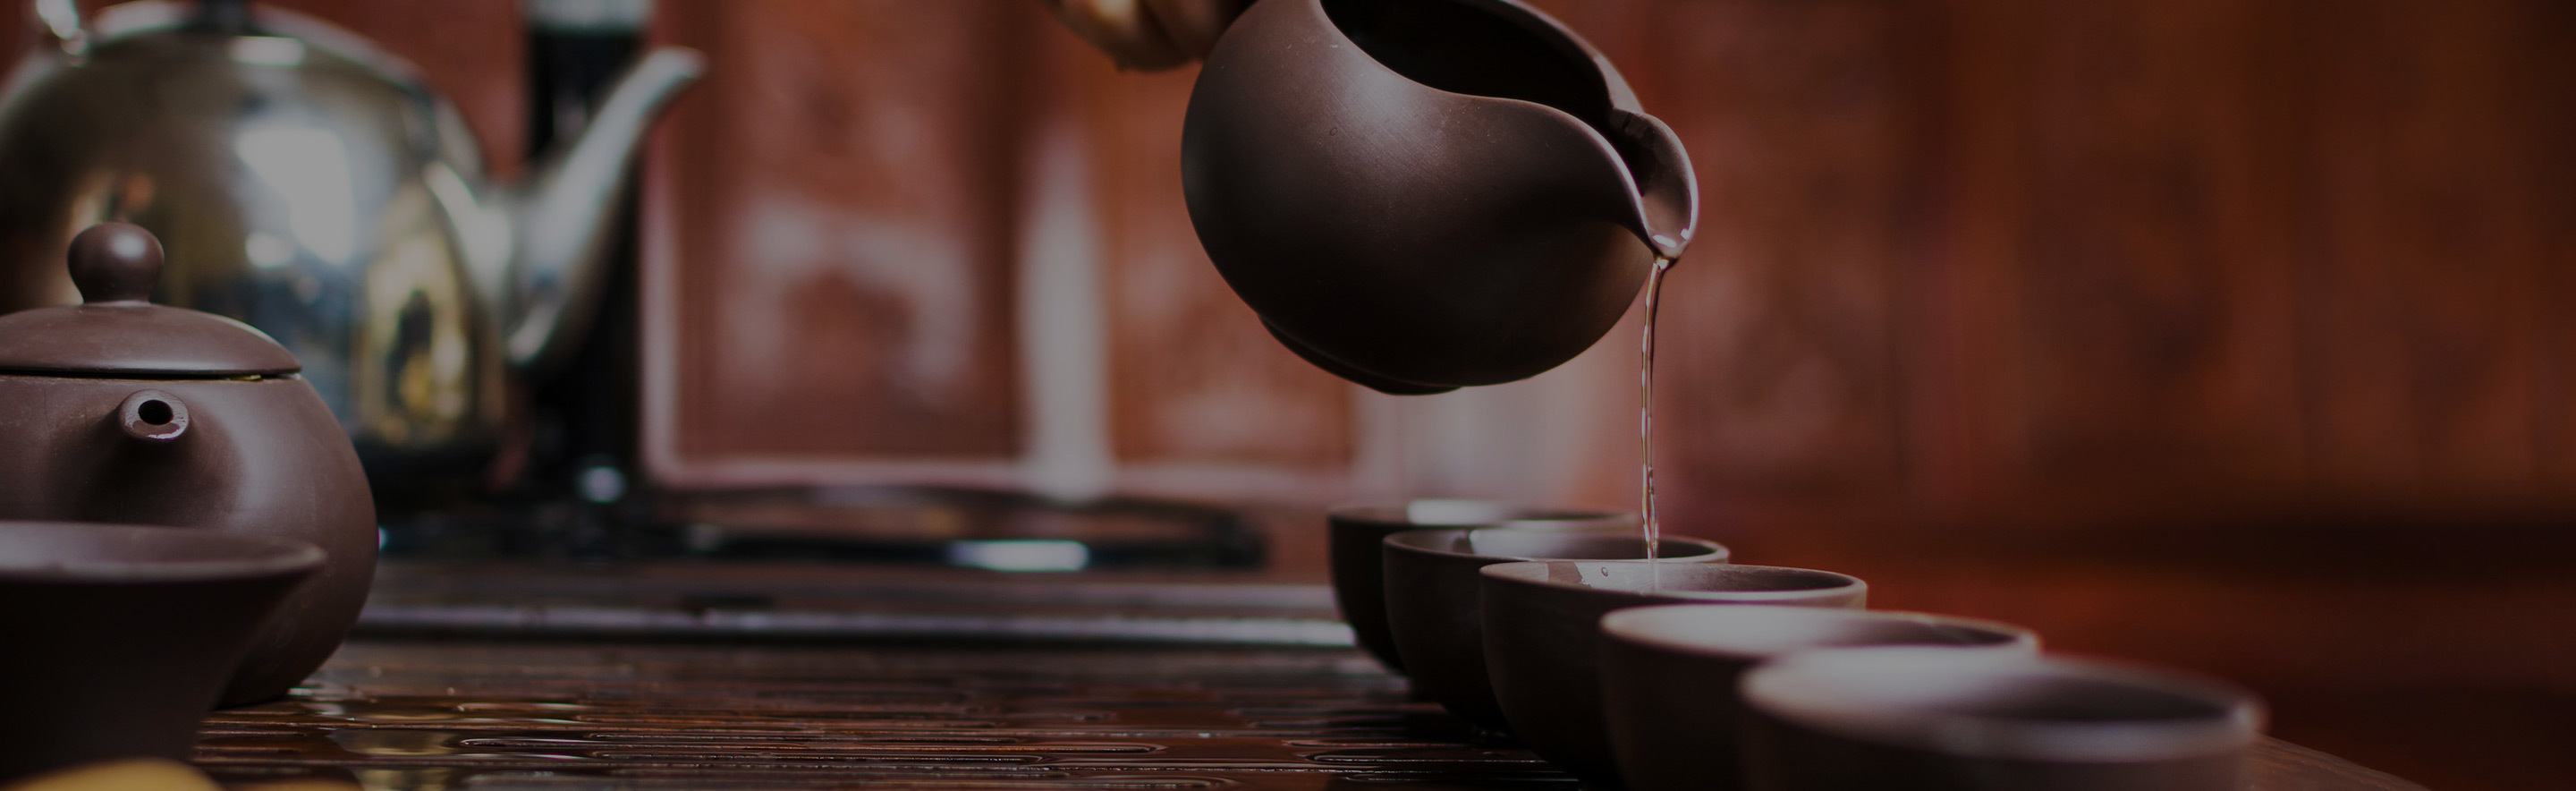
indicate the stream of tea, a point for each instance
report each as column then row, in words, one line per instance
column 1646, row 422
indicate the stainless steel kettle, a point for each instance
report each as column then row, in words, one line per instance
column 318, row 189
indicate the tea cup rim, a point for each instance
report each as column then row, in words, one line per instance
column 1653, row 626
column 1512, row 514
column 1533, row 573
column 226, row 555
column 1412, row 541
column 1830, row 691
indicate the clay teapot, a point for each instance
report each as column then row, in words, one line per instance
column 320, row 190
column 119, row 410
column 1419, row 195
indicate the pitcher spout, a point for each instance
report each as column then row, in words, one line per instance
column 564, row 215
column 1667, row 192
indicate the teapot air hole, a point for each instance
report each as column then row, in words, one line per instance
column 153, row 416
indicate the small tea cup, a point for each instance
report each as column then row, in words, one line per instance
column 121, row 637
column 1355, row 534
column 1543, row 633
column 1433, row 604
column 1669, row 674
column 1944, row 720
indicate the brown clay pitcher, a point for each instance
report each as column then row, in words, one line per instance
column 1420, row 195
column 119, row 410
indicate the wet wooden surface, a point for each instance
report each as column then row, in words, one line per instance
column 534, row 716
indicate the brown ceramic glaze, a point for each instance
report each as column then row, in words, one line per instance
column 1424, row 195
column 123, row 411
column 1668, row 675
column 1433, row 605
column 1542, row 624
column 1359, row 578
column 121, row 637
column 1941, row 720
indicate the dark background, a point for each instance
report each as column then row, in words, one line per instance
column 2223, row 334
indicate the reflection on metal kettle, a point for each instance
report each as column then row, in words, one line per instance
column 319, row 190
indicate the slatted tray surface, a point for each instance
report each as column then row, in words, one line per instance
column 499, row 716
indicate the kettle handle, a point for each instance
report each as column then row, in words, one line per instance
column 61, row 20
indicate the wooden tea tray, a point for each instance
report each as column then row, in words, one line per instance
column 501, row 715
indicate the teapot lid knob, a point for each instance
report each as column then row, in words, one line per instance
column 115, row 262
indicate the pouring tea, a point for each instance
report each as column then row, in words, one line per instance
column 1422, row 195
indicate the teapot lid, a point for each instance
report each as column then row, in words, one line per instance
column 119, row 331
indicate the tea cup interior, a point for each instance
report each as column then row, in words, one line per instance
column 1755, row 632
column 1427, row 513
column 1987, row 705
column 1516, row 543
column 1725, row 582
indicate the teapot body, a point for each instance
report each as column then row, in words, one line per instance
column 256, row 455
column 297, row 189
column 1421, row 196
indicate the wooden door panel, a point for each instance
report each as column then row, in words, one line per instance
column 2152, row 265
column 841, row 192
column 1777, row 343
column 1194, row 378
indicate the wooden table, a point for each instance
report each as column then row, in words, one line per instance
column 524, row 715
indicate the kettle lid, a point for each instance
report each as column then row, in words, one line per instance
column 117, row 330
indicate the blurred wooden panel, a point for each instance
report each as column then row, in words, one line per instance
column 2151, row 260
column 2064, row 258
column 840, row 195
column 2547, row 68
column 2428, row 189
column 1194, row 379
column 1776, row 358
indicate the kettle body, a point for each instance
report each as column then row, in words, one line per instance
column 121, row 411
column 1420, row 195
column 318, row 190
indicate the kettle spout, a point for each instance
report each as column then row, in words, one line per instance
column 1667, row 198
column 564, row 214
